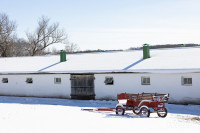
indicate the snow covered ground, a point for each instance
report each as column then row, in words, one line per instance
column 48, row 115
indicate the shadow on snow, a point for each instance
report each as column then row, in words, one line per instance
column 172, row 108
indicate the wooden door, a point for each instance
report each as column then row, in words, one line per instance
column 82, row 87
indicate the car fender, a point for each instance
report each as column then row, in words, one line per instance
column 121, row 105
column 144, row 106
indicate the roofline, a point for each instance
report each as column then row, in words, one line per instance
column 103, row 52
column 158, row 71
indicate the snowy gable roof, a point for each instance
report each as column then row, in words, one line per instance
column 26, row 64
column 179, row 59
column 162, row 60
column 97, row 62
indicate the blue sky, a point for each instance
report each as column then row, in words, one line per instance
column 112, row 24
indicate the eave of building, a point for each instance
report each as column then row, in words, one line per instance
column 142, row 71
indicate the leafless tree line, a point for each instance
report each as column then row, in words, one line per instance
column 7, row 35
column 166, row 46
column 36, row 42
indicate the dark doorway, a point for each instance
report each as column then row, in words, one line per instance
column 82, row 86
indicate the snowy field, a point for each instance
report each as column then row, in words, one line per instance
column 48, row 115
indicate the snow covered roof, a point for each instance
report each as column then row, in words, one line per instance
column 161, row 61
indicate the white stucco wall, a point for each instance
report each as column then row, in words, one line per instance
column 43, row 85
column 160, row 83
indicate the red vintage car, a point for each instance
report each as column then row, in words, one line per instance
column 140, row 104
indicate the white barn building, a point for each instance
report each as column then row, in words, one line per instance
column 103, row 75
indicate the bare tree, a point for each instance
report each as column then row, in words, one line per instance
column 7, row 34
column 20, row 48
column 44, row 36
column 71, row 48
column 55, row 51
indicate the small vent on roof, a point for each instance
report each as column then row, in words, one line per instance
column 146, row 52
column 62, row 56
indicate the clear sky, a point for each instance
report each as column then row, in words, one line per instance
column 112, row 24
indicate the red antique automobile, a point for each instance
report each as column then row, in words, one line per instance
column 141, row 103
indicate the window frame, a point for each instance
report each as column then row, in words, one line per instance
column 55, row 82
column 183, row 80
column 146, row 79
column 3, row 80
column 109, row 78
column 29, row 82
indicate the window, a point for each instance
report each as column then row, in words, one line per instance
column 57, row 80
column 109, row 81
column 145, row 80
column 29, row 80
column 187, row 81
column 4, row 80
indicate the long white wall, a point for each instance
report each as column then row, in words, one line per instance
column 43, row 85
column 160, row 83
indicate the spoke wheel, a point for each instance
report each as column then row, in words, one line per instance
column 120, row 110
column 145, row 112
column 162, row 112
column 136, row 110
